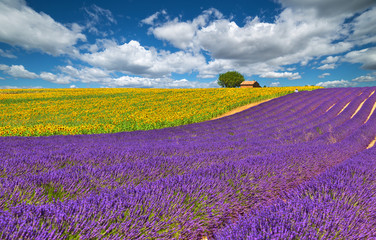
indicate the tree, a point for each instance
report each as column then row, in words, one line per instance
column 230, row 79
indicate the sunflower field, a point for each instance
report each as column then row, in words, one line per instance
column 44, row 112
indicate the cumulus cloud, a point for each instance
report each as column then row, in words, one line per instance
column 367, row 78
column 275, row 84
column 59, row 79
column 327, row 66
column 294, row 37
column 69, row 74
column 22, row 26
column 329, row 63
column 303, row 31
column 367, row 57
column 298, row 35
column 289, row 75
column 132, row 58
column 330, row 59
column 3, row 67
column 150, row 20
column 336, row 83
column 182, row 34
column 216, row 66
column 129, row 81
column 364, row 31
column 86, row 74
column 324, row 75
column 18, row 71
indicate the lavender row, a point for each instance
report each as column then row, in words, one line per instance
column 177, row 206
column 338, row 204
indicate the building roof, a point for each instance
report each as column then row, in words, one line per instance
column 248, row 82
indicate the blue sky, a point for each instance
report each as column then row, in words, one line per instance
column 186, row 44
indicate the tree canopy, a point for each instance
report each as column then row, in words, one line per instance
column 230, row 79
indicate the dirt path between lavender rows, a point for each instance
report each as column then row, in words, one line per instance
column 242, row 108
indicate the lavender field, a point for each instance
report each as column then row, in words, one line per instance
column 300, row 166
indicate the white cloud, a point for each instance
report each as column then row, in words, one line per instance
column 303, row 31
column 330, row 59
column 22, row 26
column 22, row 87
column 329, row 63
column 330, row 8
column 289, row 75
column 259, row 47
column 69, row 74
column 150, row 20
column 99, row 18
column 367, row 57
column 367, row 78
column 324, row 75
column 336, row 83
column 182, row 34
column 132, row 58
column 99, row 45
column 3, row 67
column 128, row 81
column 9, row 87
column 96, row 13
column 327, row 66
column 107, row 79
column 86, row 74
column 275, row 84
column 216, row 66
column 7, row 54
column 18, row 71
column 297, row 36
column 364, row 28
column 59, row 79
